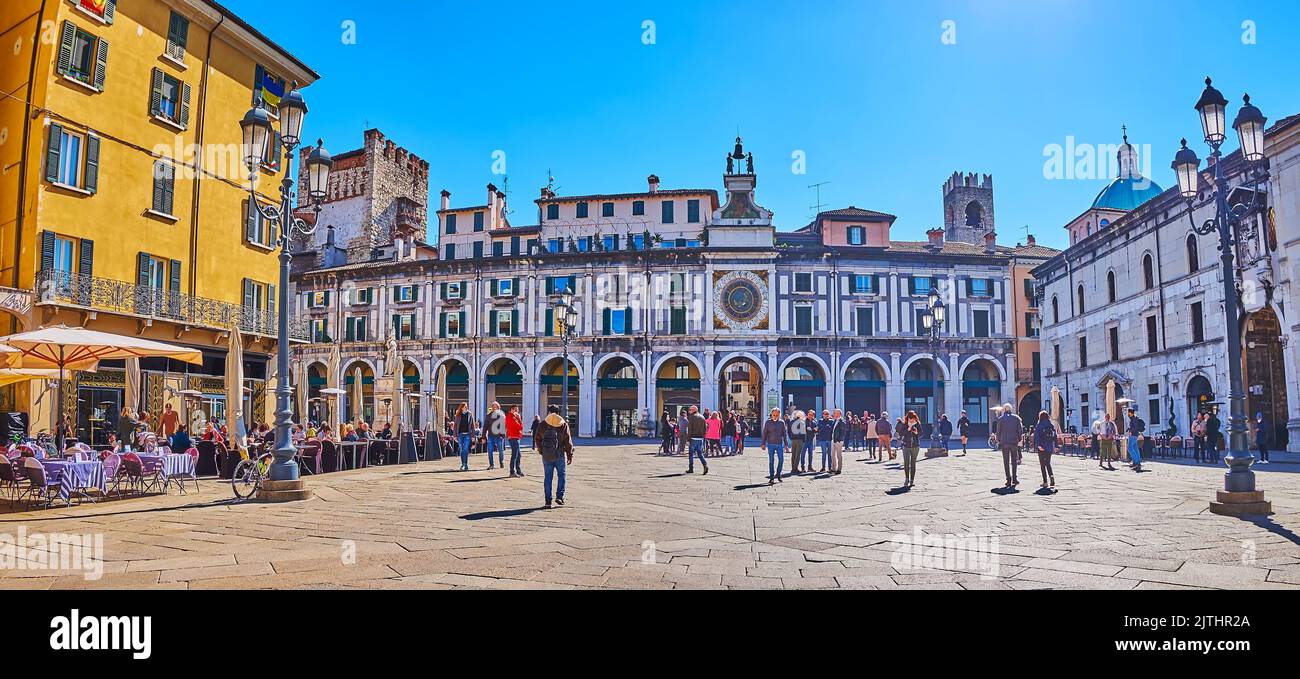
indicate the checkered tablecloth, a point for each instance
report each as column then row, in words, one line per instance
column 74, row 476
column 173, row 464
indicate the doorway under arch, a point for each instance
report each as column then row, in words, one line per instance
column 740, row 390
column 616, row 402
column 551, row 389
column 864, row 387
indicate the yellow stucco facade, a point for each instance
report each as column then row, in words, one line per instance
column 123, row 199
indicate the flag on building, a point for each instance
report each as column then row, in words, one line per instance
column 270, row 89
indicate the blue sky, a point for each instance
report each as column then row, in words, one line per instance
column 866, row 89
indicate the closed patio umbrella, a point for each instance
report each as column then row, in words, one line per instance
column 235, row 388
column 132, row 391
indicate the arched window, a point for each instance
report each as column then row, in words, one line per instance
column 1193, row 255
column 1081, row 307
column 1148, row 272
column 974, row 214
column 1110, row 286
column 1103, row 224
column 1056, row 310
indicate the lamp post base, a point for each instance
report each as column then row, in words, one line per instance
column 284, row 491
column 1250, row 503
column 936, row 451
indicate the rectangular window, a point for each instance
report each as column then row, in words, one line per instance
column 864, row 284
column 857, row 235
column 583, row 244
column 921, row 330
column 610, row 243
column 169, row 106
column 478, row 249
column 178, row 34
column 667, row 212
column 404, row 326
column 70, row 145
column 268, row 89
column 553, row 211
column 555, row 245
column 451, row 224
column 803, row 281
column 505, row 287
column 1032, row 326
column 478, row 221
column 82, row 66
column 803, row 320
column 499, row 248
column 63, row 254
column 981, row 287
column 981, row 320
column 354, row 329
column 450, row 250
column 514, row 245
column 693, row 211
column 921, row 285
column 1153, row 338
column 1056, row 358
column 618, row 321
column 1113, row 335
column 636, row 241
column 677, row 321
column 257, row 228
column 320, row 330
column 638, row 208
column 581, row 211
column 164, row 187
column 454, row 291
column 606, row 209
column 1198, row 322
column 1083, row 352
column 505, row 324
column 404, row 293
column 866, row 321
column 453, row 325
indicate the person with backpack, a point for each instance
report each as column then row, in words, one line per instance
column 1136, row 425
column 515, row 432
column 697, row 427
column 556, row 448
column 494, row 429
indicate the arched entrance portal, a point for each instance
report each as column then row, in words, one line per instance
column 1200, row 398
column 740, row 389
column 616, row 398
column 505, row 385
column 452, row 386
column 677, row 386
column 411, row 392
column 1030, row 406
column 317, row 406
column 1265, row 375
column 803, row 386
column 359, row 401
column 918, row 391
column 551, row 390
column 980, row 389
column 864, row 387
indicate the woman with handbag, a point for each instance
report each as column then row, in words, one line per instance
column 1045, row 444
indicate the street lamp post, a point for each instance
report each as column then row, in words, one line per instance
column 256, row 127
column 932, row 321
column 1239, row 496
column 569, row 321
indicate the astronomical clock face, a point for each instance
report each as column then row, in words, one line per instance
column 740, row 301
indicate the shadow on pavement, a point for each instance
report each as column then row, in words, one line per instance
column 501, row 513
column 898, row 491
column 1003, row 490
column 1273, row 527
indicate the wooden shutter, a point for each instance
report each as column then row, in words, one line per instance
column 251, row 214
column 442, row 290
column 53, row 152
column 415, row 293
column 464, row 329
column 47, row 251
column 155, row 92
column 627, row 321
column 606, row 318
column 550, row 285
column 492, row 323
column 110, row 11
column 549, row 330
column 185, row 110
column 101, row 62
column 514, row 322
column 493, row 288
column 174, row 288
column 442, row 324
column 270, row 302
column 90, row 177
column 68, row 36
column 86, row 267
column 142, row 269
column 248, row 293
column 514, row 288
column 158, row 193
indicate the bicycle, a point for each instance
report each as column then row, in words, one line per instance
column 249, row 474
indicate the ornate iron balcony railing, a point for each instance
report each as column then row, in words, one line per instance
column 104, row 294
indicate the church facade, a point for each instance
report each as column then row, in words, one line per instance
column 686, row 298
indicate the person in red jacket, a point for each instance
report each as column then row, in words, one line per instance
column 514, row 432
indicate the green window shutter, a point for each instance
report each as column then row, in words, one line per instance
column 415, row 293
column 394, row 293
column 627, row 321
column 101, row 63
column 47, row 251
column 464, row 289
column 442, row 291
column 53, row 152
column 174, row 283
column 397, row 326
column 142, row 269
column 270, row 301
column 464, row 328
column 548, row 331
column 66, row 39
column 158, row 186
column 442, row 324
column 514, row 322
column 185, row 112
column 251, row 222
column 90, row 176
column 170, row 188
column 248, row 293
column 155, row 92
column 606, row 315
column 87, row 267
column 514, row 287
column 492, row 323
column 492, row 287
column 550, row 284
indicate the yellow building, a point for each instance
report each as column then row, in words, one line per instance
column 123, row 196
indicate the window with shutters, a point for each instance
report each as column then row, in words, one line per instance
column 272, row 154
column 451, row 224
column 803, row 282
column 354, row 329
column 505, row 288
column 618, row 322
column 72, row 159
column 581, row 211
column 268, row 88
column 514, row 245
column 864, row 284
column 553, row 211
column 866, row 321
column 404, row 293
column 449, row 251
column 667, row 212
column 102, row 10
column 981, row 322
column 404, row 326
column 555, row 245
column 677, row 321
column 857, row 235
column 606, row 209
column 505, row 324
column 320, row 330
column 921, row 285
column 636, row 241
column 478, row 249
column 178, row 34
column 609, row 243
column 498, row 248
column 638, row 208
column 63, row 254
column 318, row 299
column 453, row 324
column 981, row 287
column 454, row 291
column 693, row 211
column 363, row 296
column 1033, row 327
column 171, row 100
column 803, row 320
column 83, row 61
column 478, row 221
column 258, row 230
column 164, row 188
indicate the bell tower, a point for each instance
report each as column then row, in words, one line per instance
column 968, row 207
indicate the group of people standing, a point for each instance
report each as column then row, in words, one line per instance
column 720, row 433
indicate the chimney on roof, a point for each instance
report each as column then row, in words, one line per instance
column 1029, row 240
column 547, row 193
column 936, row 239
column 990, row 242
column 653, row 180
column 492, row 206
column 446, row 199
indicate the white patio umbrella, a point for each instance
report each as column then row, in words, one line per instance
column 132, row 391
column 1110, row 400
column 235, row 388
column 333, row 393
column 1056, row 405
column 356, row 405
column 67, row 348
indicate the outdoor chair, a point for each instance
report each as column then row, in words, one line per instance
column 207, row 463
column 40, row 485
column 8, row 481
column 132, row 472
column 112, row 478
column 310, row 451
column 379, row 450
column 151, row 472
column 329, row 456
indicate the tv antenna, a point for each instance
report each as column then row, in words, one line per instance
column 817, row 208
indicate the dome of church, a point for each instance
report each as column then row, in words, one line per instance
column 1130, row 189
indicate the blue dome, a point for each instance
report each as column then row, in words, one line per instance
column 1127, row 193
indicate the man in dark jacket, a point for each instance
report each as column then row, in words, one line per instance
column 1009, row 429
column 555, row 444
column 1136, row 425
column 824, row 427
column 839, row 433
column 697, row 426
column 1263, row 436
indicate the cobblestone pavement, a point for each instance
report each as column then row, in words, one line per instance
column 635, row 520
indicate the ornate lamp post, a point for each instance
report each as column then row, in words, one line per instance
column 569, row 321
column 932, row 321
column 256, row 126
column 1239, row 496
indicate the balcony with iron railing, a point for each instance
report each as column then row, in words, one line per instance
column 59, row 288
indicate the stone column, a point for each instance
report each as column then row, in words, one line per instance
column 709, row 397
column 1009, row 384
column 894, row 386
column 835, row 383
column 587, row 417
column 952, row 387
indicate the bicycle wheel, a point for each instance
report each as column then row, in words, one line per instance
column 246, row 479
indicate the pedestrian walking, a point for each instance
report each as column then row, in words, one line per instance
column 839, row 434
column 697, row 427
column 494, row 430
column 1214, row 436
column 776, row 436
column 824, row 427
column 683, row 430
column 713, row 434
column 945, row 430
column 1263, row 436
column 1045, row 444
column 911, row 439
column 728, row 434
column 464, row 434
column 1136, row 425
column 532, row 430
column 884, row 432
column 1107, row 433
column 963, row 430
column 556, row 448
column 797, row 429
column 1009, row 428
column 515, row 432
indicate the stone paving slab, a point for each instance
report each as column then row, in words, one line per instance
column 635, row 521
